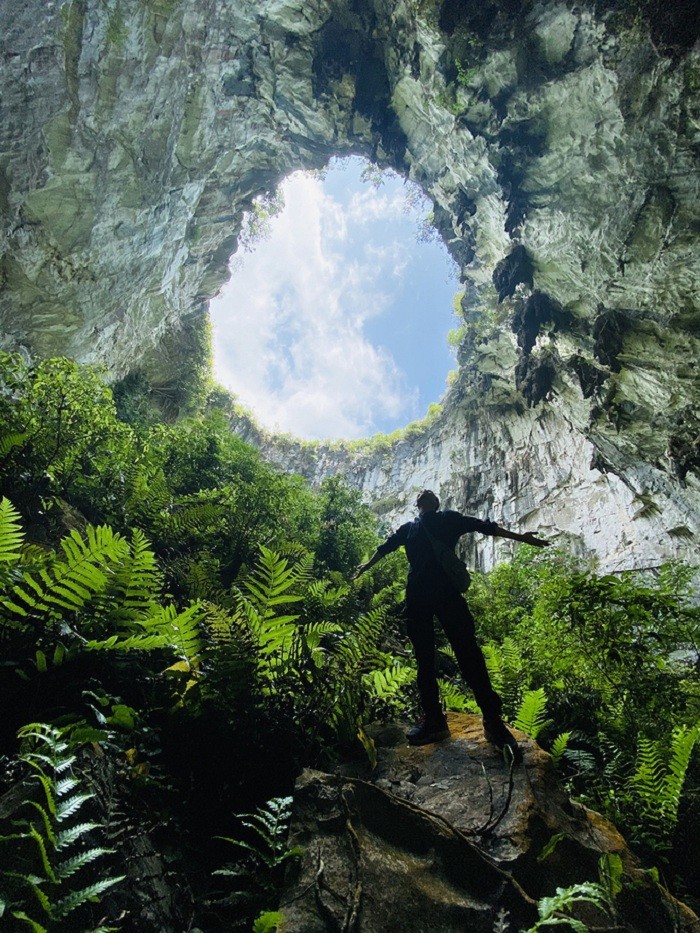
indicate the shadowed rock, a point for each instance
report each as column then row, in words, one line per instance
column 447, row 838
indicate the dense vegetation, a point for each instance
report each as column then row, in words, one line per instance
column 180, row 637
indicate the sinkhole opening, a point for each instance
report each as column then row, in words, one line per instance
column 334, row 323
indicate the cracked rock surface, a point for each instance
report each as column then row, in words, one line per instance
column 445, row 838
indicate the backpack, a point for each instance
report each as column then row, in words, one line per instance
column 454, row 568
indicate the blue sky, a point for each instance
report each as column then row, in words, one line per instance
column 335, row 325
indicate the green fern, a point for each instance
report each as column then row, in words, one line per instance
column 531, row 714
column 507, row 670
column 272, row 582
column 8, row 442
column 11, row 535
column 359, row 646
column 659, row 778
column 559, row 747
column 389, row 681
column 312, row 640
column 269, row 824
column 189, row 517
column 271, row 585
column 147, row 493
column 68, row 585
column 455, row 699
column 136, row 583
column 556, row 910
column 265, row 851
column 342, row 694
column 611, row 871
column 271, row 921
column 41, row 888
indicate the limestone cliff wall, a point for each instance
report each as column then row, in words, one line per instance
column 559, row 148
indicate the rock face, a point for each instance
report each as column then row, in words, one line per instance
column 443, row 838
column 559, row 149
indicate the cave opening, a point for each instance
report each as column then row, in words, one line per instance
column 338, row 320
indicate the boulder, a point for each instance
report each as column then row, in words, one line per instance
column 448, row 837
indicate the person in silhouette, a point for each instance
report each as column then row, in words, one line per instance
column 430, row 593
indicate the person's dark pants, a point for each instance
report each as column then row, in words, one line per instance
column 422, row 605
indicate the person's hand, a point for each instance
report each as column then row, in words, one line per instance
column 530, row 538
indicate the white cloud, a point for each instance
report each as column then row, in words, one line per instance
column 288, row 327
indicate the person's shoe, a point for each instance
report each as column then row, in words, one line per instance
column 496, row 732
column 427, row 731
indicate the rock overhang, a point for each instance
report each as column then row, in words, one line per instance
column 559, row 154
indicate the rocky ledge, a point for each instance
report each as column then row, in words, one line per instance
column 448, row 838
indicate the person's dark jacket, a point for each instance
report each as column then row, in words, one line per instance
column 447, row 526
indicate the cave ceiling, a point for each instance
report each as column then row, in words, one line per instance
column 557, row 141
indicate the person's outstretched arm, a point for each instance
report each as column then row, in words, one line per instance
column 375, row 558
column 528, row 537
column 392, row 543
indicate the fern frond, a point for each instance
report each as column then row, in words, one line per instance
column 11, row 534
column 272, row 581
column 148, row 494
column 312, row 636
column 68, row 836
column 71, row 583
column 32, row 924
column 531, row 715
column 682, row 743
column 180, row 630
column 455, row 699
column 45, row 781
column 390, row 681
column 581, row 759
column 269, row 823
column 8, row 442
column 194, row 516
column 359, row 646
column 70, row 866
column 70, row 806
column 559, row 747
column 46, row 749
column 565, row 899
column 43, row 853
column 137, row 582
column 137, row 642
column 660, row 776
column 65, row 785
column 46, row 820
column 76, row 899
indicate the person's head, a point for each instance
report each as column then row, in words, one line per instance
column 427, row 501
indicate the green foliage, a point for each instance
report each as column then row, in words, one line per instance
column 73, row 444
column 96, row 593
column 50, row 846
column 454, row 698
column 11, row 538
column 347, row 527
column 559, row 747
column 387, row 685
column 257, row 221
column 658, row 781
column 162, row 581
column 531, row 715
column 508, row 670
column 610, row 869
column 269, row 922
column 269, row 825
column 614, row 656
column 557, row 910
column 265, row 853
